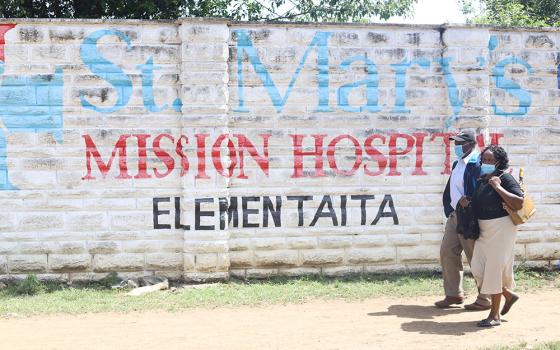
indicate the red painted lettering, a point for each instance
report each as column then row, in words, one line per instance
column 419, row 136
column 201, row 155
column 375, row 154
column 142, row 165
column 447, row 143
column 297, row 141
column 245, row 144
column 357, row 152
column 181, row 153
column 163, row 155
column 91, row 150
column 394, row 151
column 217, row 159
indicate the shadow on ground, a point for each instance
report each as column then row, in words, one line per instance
column 429, row 312
column 423, row 312
column 441, row 328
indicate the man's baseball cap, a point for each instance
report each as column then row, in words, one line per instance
column 464, row 135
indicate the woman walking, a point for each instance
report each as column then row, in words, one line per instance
column 492, row 261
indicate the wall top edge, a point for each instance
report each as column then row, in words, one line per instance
column 211, row 20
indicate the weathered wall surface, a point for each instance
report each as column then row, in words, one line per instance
column 205, row 149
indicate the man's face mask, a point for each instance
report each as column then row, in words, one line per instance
column 459, row 151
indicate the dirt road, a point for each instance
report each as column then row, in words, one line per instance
column 370, row 324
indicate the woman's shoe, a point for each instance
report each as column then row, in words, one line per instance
column 508, row 304
column 487, row 322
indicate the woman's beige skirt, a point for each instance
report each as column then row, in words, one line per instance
column 492, row 260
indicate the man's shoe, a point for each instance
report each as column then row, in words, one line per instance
column 448, row 301
column 477, row 307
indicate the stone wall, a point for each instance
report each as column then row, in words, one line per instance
column 204, row 149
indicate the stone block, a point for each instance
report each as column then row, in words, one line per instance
column 418, row 254
column 371, row 255
column 276, row 258
column 322, row 256
column 69, row 263
column 543, row 251
column 164, row 261
column 27, row 263
column 118, row 262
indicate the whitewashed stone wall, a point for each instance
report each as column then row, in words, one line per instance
column 124, row 143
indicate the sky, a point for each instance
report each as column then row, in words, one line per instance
column 433, row 12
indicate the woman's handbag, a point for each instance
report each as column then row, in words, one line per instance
column 522, row 215
column 467, row 223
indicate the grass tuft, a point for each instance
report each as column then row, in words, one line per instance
column 524, row 346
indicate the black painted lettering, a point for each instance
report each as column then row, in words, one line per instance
column 343, row 210
column 178, row 224
column 269, row 208
column 247, row 211
column 362, row 198
column 320, row 214
column 198, row 213
column 381, row 213
column 157, row 213
column 300, row 200
column 231, row 210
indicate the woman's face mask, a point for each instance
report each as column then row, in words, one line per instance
column 487, row 168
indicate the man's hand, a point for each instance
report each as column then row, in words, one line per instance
column 495, row 181
column 464, row 201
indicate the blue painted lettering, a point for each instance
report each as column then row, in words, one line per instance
column 244, row 44
column 106, row 70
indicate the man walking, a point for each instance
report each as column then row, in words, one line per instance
column 458, row 191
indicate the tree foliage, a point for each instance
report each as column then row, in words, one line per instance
column 526, row 13
column 252, row 10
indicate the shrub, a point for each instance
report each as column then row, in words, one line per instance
column 29, row 286
column 110, row 280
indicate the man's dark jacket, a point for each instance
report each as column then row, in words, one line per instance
column 472, row 173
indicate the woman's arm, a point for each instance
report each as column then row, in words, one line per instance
column 512, row 200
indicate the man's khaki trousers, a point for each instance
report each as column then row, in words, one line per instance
column 452, row 245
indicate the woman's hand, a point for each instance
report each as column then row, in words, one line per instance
column 495, row 182
column 464, row 201
column 511, row 200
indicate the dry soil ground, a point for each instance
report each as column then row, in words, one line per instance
column 379, row 323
